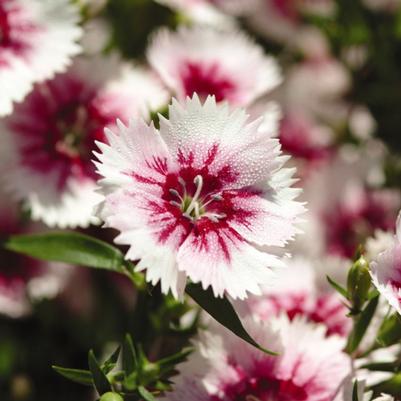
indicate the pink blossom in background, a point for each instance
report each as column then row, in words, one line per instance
column 282, row 20
column 48, row 140
column 352, row 208
column 301, row 289
column 315, row 88
column 386, row 271
column 38, row 39
column 206, row 61
column 350, row 222
column 309, row 144
column 207, row 197
column 309, row 367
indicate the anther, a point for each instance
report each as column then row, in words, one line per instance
column 174, row 192
column 174, row 203
column 181, row 181
column 217, row 197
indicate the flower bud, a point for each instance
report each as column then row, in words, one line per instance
column 358, row 283
column 111, row 397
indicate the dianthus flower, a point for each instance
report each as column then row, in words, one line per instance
column 206, row 61
column 48, row 140
column 310, row 366
column 37, row 39
column 301, row 289
column 204, row 198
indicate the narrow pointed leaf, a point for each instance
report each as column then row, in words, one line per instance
column 99, row 378
column 68, row 247
column 129, row 357
column 361, row 325
column 75, row 375
column 222, row 311
column 380, row 366
column 147, row 396
column 110, row 363
column 341, row 290
column 168, row 363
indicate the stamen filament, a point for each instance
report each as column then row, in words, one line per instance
column 213, row 198
column 193, row 207
column 198, row 181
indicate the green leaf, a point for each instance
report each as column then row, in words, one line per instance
column 361, row 324
column 68, row 247
column 99, row 378
column 222, row 310
column 110, row 363
column 389, row 331
column 129, row 360
column 75, row 375
column 380, row 366
column 338, row 287
column 167, row 364
column 147, row 396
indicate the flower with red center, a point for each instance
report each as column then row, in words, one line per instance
column 386, row 270
column 346, row 206
column 301, row 290
column 37, row 39
column 309, row 367
column 354, row 220
column 205, row 197
column 49, row 138
column 206, row 61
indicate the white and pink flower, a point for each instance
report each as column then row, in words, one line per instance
column 301, row 289
column 206, row 61
column 310, row 366
column 204, row 198
column 37, row 39
column 47, row 142
column 386, row 271
column 346, row 206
